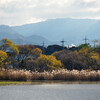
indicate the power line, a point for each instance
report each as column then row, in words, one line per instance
column 63, row 43
column 85, row 39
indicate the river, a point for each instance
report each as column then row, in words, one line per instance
column 50, row 92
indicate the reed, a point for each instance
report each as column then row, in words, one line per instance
column 62, row 74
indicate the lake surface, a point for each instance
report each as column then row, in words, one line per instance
column 50, row 92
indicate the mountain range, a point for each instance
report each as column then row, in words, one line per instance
column 73, row 31
column 10, row 33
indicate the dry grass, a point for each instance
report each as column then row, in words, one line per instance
column 63, row 74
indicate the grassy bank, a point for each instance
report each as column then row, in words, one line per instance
column 11, row 82
column 63, row 74
column 46, row 82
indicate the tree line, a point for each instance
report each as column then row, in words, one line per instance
column 31, row 58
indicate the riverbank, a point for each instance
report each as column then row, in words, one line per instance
column 44, row 82
column 11, row 83
column 63, row 74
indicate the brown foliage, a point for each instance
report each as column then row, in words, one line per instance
column 69, row 59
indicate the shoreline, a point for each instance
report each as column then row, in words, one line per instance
column 44, row 82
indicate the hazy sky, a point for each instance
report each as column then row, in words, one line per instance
column 17, row 12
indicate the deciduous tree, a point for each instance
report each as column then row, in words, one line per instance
column 3, row 57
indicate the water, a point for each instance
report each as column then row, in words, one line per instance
column 51, row 92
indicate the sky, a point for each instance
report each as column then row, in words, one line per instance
column 19, row 12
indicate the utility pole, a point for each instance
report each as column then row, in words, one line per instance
column 94, row 42
column 43, row 47
column 68, row 46
column 85, row 39
column 63, row 43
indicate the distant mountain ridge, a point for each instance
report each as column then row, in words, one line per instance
column 8, row 32
column 71, row 30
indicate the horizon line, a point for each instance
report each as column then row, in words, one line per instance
column 50, row 19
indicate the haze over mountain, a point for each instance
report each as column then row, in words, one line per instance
column 71, row 30
column 8, row 32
